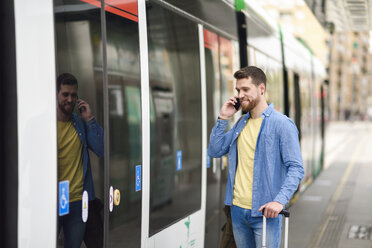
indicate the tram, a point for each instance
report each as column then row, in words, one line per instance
column 155, row 74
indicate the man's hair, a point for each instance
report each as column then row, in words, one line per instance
column 66, row 78
column 256, row 74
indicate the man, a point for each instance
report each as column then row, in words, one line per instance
column 265, row 164
column 74, row 139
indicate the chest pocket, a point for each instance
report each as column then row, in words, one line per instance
column 267, row 141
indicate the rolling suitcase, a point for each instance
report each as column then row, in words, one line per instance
column 286, row 215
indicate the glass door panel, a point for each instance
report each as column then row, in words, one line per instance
column 176, row 135
column 221, row 59
column 79, row 53
column 80, row 50
column 124, row 86
column 213, row 209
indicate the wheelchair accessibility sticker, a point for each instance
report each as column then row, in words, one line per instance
column 63, row 199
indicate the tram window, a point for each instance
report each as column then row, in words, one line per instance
column 78, row 52
column 228, row 53
column 176, row 136
column 274, row 73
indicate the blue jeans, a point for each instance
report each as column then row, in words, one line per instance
column 248, row 230
column 73, row 226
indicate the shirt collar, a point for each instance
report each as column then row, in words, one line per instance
column 74, row 117
column 266, row 113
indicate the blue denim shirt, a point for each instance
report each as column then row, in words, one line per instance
column 92, row 137
column 278, row 165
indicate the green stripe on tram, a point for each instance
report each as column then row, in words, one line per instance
column 239, row 5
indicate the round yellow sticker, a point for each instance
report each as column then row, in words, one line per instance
column 116, row 197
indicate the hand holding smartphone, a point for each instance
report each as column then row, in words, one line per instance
column 227, row 111
column 82, row 108
column 85, row 110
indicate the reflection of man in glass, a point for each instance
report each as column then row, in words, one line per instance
column 75, row 136
column 265, row 164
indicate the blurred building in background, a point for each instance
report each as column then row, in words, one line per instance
column 350, row 76
column 337, row 31
column 318, row 7
column 296, row 18
column 350, row 70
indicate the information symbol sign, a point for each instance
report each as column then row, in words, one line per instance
column 138, row 178
column 179, row 160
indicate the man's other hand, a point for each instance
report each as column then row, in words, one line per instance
column 272, row 209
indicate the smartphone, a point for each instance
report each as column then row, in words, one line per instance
column 82, row 108
column 237, row 104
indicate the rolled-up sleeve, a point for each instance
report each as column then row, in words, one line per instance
column 219, row 142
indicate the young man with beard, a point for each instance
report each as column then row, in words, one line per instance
column 74, row 139
column 265, row 164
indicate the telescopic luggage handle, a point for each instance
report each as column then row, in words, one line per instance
column 286, row 214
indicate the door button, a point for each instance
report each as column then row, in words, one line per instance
column 116, row 197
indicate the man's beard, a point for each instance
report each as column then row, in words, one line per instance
column 251, row 105
column 65, row 111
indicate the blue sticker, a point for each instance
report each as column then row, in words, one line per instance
column 138, row 178
column 63, row 198
column 179, row 160
column 208, row 162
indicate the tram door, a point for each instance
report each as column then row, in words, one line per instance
column 213, row 218
column 125, row 146
column 221, row 61
column 176, row 216
column 113, row 64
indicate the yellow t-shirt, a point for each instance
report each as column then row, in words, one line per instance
column 244, row 174
column 70, row 159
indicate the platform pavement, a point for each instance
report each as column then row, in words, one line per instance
column 336, row 209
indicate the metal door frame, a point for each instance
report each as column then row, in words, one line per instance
column 170, row 236
column 145, row 106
